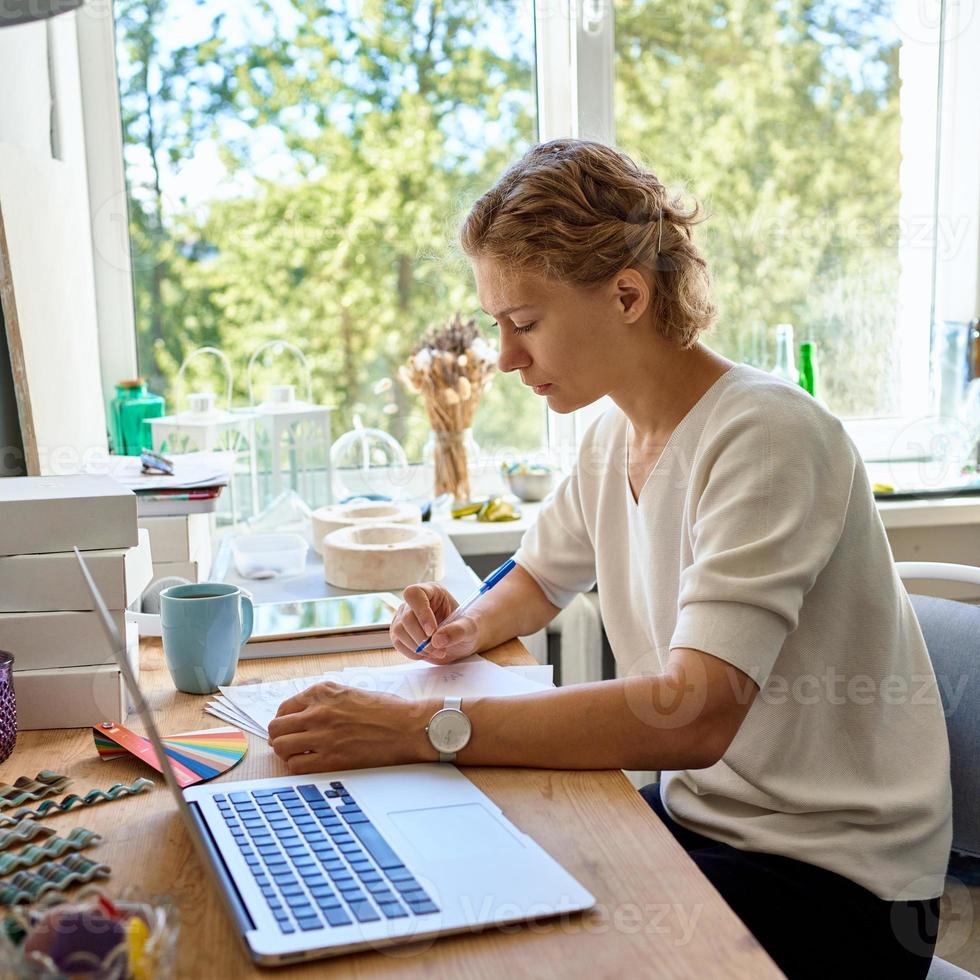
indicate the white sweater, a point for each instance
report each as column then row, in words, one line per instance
column 756, row 539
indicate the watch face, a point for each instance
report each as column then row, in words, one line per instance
column 449, row 730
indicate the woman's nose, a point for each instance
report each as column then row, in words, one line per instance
column 512, row 355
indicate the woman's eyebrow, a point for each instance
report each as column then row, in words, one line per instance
column 509, row 310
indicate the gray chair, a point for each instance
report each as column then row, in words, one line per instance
column 952, row 633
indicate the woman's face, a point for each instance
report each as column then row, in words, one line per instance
column 560, row 337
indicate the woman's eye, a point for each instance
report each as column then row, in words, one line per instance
column 523, row 329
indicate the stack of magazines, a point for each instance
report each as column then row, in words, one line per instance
column 193, row 488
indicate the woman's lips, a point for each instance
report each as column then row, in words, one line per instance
column 541, row 389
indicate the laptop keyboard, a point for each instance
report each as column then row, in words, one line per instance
column 318, row 860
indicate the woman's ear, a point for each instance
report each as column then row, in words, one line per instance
column 632, row 294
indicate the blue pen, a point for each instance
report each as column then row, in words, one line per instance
column 491, row 580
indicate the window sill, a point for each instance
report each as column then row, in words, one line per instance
column 415, row 481
column 473, row 539
column 904, row 439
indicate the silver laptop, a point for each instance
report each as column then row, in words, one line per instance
column 314, row 866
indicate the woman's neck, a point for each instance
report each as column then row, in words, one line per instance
column 662, row 385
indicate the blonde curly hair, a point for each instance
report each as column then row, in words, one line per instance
column 579, row 212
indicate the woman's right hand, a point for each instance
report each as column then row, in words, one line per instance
column 418, row 617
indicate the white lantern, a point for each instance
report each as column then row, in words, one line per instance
column 292, row 436
column 203, row 427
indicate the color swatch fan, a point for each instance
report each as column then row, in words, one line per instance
column 195, row 756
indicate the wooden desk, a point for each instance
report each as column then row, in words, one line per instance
column 657, row 916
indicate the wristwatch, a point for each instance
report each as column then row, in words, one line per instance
column 449, row 729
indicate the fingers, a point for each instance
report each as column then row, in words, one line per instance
column 287, row 724
column 297, row 743
column 409, row 630
column 440, row 658
column 452, row 641
column 314, row 694
column 293, row 705
column 408, row 652
column 453, row 634
column 406, row 632
column 419, row 600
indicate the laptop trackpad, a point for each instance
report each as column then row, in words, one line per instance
column 454, row 831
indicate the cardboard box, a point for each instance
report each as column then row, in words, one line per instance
column 48, row 640
column 47, row 514
column 190, row 570
column 186, row 538
column 54, row 583
column 75, row 697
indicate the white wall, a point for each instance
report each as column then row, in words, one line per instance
column 25, row 95
column 59, row 97
column 25, row 120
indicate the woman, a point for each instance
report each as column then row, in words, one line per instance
column 769, row 661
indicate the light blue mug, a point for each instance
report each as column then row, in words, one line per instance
column 204, row 628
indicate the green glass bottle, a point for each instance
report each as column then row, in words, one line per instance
column 130, row 410
column 808, row 368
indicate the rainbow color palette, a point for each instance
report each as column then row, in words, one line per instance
column 195, row 757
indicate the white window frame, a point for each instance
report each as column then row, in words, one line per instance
column 575, row 83
column 111, row 253
column 575, row 76
column 939, row 237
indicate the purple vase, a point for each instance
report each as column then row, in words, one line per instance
column 8, row 706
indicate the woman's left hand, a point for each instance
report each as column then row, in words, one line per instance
column 332, row 727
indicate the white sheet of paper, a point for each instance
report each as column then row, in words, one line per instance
column 478, row 678
column 248, row 729
column 218, row 712
column 543, row 674
column 473, row 677
column 235, row 716
column 260, row 702
column 190, row 470
column 230, row 710
column 412, row 665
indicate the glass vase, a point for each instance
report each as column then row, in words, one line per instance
column 8, row 706
column 92, row 960
column 450, row 454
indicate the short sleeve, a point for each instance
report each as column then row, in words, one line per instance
column 557, row 551
column 770, row 495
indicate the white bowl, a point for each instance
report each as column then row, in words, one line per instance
column 530, row 487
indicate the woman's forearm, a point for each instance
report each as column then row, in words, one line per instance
column 640, row 723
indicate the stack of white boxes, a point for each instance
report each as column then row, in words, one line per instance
column 65, row 674
column 181, row 545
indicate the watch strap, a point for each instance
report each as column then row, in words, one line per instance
column 454, row 704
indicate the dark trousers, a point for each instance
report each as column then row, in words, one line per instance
column 813, row 922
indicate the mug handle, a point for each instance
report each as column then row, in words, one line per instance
column 247, row 618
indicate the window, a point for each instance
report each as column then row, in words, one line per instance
column 786, row 119
column 296, row 170
column 308, row 165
